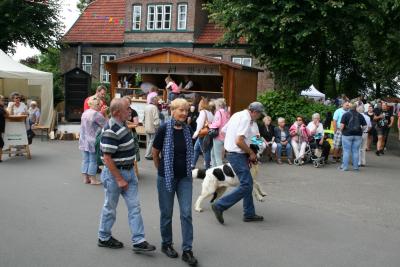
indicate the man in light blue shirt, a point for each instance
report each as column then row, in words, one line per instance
column 337, row 140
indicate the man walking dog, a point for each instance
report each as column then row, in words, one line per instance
column 240, row 156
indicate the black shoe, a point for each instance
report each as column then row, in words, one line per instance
column 169, row 251
column 188, row 257
column 110, row 243
column 382, row 152
column 218, row 214
column 378, row 152
column 255, row 218
column 143, row 247
column 149, row 158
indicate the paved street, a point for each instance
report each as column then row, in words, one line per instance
column 313, row 217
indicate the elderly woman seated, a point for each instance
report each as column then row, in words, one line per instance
column 316, row 130
column 282, row 140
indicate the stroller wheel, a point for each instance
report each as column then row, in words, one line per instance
column 296, row 162
column 316, row 164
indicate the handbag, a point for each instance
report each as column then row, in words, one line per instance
column 213, row 132
column 204, row 131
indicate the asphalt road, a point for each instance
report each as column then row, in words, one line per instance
column 313, row 217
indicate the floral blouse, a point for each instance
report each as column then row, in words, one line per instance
column 92, row 122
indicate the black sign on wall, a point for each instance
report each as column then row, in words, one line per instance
column 77, row 85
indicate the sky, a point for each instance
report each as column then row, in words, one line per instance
column 69, row 15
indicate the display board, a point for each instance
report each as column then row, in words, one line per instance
column 15, row 131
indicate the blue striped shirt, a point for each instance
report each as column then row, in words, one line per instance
column 117, row 140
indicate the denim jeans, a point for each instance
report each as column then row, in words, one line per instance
column 206, row 154
column 240, row 165
column 149, row 140
column 183, row 189
column 351, row 146
column 288, row 148
column 216, row 152
column 131, row 196
column 89, row 163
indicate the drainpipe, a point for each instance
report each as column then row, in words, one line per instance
column 79, row 61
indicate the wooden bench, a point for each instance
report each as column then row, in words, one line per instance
column 44, row 131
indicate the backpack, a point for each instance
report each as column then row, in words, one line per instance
column 354, row 123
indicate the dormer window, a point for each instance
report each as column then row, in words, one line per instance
column 159, row 17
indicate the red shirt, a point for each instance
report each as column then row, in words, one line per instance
column 86, row 104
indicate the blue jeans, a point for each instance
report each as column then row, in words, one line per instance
column 351, row 146
column 89, row 163
column 131, row 196
column 216, row 152
column 206, row 154
column 240, row 165
column 288, row 149
column 183, row 189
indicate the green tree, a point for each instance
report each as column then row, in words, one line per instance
column 320, row 42
column 82, row 4
column 49, row 61
column 35, row 24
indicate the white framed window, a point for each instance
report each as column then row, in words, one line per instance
column 167, row 17
column 87, row 63
column 182, row 16
column 104, row 74
column 151, row 11
column 136, row 17
column 245, row 61
column 159, row 17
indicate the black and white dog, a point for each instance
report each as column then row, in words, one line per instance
column 216, row 180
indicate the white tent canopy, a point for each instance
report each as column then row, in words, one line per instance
column 312, row 92
column 16, row 77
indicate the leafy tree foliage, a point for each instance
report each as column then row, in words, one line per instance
column 49, row 61
column 32, row 23
column 288, row 105
column 341, row 46
column 82, row 4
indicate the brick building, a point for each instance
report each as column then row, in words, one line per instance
column 111, row 29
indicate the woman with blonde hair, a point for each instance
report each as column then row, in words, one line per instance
column 92, row 121
column 173, row 142
column 204, row 120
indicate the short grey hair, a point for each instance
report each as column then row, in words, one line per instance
column 316, row 115
column 117, row 104
column 280, row 119
column 220, row 103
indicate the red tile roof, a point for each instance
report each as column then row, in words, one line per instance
column 212, row 34
column 103, row 21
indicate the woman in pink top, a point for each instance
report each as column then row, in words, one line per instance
column 171, row 85
column 398, row 121
column 300, row 136
column 221, row 117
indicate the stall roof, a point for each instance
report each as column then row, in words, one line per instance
column 167, row 51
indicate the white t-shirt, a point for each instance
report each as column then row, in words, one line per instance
column 18, row 110
column 368, row 121
column 319, row 133
column 239, row 124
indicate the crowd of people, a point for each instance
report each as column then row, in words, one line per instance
column 175, row 142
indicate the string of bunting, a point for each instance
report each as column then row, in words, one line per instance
column 110, row 19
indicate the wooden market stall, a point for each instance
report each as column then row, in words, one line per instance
column 212, row 78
